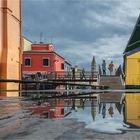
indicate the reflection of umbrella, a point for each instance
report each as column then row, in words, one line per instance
column 110, row 110
column 119, row 107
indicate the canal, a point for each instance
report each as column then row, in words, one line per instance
column 93, row 118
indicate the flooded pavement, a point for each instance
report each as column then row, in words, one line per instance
column 73, row 118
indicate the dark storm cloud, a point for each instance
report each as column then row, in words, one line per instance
column 81, row 28
column 66, row 19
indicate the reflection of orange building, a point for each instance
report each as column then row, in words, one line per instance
column 10, row 43
column 132, row 109
column 53, row 109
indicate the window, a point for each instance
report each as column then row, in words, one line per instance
column 62, row 66
column 27, row 62
column 62, row 111
column 46, row 62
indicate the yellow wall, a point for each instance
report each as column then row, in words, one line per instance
column 132, row 108
column 26, row 44
column 133, row 69
column 10, row 50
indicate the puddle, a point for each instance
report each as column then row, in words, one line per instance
column 99, row 122
column 111, row 115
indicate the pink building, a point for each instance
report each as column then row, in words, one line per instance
column 53, row 109
column 42, row 58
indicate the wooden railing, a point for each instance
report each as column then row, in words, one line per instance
column 63, row 75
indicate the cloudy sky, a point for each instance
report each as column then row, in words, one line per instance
column 81, row 29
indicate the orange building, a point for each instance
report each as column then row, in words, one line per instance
column 10, row 44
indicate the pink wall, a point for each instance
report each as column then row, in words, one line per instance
column 37, row 62
column 41, row 47
column 58, row 108
column 59, row 61
column 40, row 51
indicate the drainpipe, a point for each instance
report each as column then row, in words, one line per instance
column 20, row 49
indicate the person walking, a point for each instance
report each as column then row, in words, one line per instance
column 73, row 73
column 104, row 67
column 111, row 67
column 83, row 74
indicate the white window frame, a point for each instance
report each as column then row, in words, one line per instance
column 48, row 61
column 30, row 61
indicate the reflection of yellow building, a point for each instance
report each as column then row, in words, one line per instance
column 10, row 44
column 132, row 59
column 132, row 109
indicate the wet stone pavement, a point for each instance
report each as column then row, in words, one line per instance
column 56, row 119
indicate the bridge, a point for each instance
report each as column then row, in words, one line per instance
column 69, row 81
column 113, row 82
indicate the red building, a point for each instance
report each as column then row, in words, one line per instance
column 52, row 109
column 42, row 58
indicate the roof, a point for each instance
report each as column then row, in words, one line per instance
column 134, row 41
column 67, row 63
column 132, row 51
column 42, row 51
column 42, row 44
column 23, row 37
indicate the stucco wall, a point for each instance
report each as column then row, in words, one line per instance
column 133, row 69
column 37, row 62
column 11, row 43
column 26, row 45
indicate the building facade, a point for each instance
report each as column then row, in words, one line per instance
column 42, row 58
column 26, row 44
column 10, row 44
column 132, row 59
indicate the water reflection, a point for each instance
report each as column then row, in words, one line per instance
column 101, row 117
column 131, row 110
column 49, row 109
column 106, row 113
column 104, row 110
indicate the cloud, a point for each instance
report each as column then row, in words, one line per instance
column 82, row 28
column 108, row 48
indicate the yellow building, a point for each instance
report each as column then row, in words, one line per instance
column 26, row 44
column 132, row 59
column 10, row 44
column 132, row 109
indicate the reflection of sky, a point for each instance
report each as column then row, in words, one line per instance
column 14, row 113
column 107, row 124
